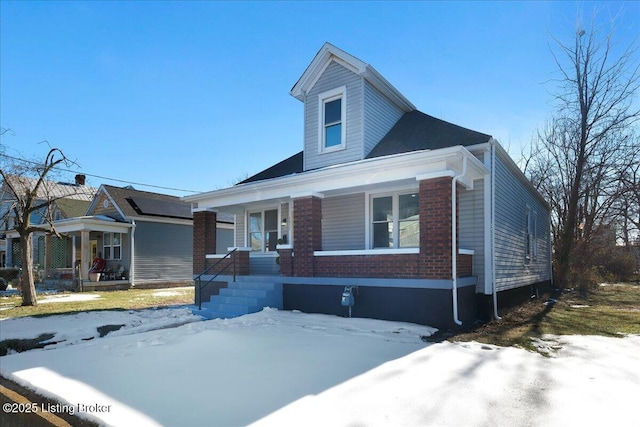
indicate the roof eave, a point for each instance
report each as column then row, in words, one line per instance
column 376, row 171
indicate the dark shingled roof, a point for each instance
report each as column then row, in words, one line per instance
column 293, row 164
column 148, row 204
column 418, row 131
column 413, row 132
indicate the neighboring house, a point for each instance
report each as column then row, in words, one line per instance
column 145, row 238
column 68, row 200
column 426, row 221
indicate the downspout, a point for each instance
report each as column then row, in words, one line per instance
column 550, row 250
column 454, row 238
column 493, row 231
column 132, row 274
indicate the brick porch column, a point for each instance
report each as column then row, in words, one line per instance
column 307, row 233
column 435, row 228
column 204, row 238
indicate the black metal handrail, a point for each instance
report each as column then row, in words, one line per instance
column 198, row 278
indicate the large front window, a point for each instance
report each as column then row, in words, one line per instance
column 263, row 230
column 332, row 119
column 395, row 221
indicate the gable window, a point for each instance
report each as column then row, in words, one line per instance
column 112, row 246
column 332, row 119
column 395, row 221
column 263, row 230
column 531, row 240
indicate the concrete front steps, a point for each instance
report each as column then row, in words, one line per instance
column 242, row 298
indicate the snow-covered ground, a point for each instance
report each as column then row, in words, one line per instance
column 277, row 368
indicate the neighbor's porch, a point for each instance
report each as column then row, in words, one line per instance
column 65, row 260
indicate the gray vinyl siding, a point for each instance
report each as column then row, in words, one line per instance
column 379, row 117
column 263, row 265
column 240, row 231
column 163, row 252
column 512, row 197
column 334, row 77
column 343, row 226
column 224, row 240
column 471, row 226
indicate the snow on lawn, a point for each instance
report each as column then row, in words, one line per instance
column 68, row 298
column 277, row 368
column 78, row 327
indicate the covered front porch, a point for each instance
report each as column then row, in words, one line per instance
column 65, row 260
column 389, row 226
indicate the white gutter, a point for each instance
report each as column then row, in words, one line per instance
column 493, row 230
column 132, row 264
column 454, row 246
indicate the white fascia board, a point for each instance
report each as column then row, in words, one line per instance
column 319, row 63
column 177, row 221
column 361, row 174
column 90, row 224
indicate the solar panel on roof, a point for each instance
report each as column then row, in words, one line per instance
column 167, row 208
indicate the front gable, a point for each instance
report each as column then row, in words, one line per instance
column 348, row 107
column 104, row 204
column 340, row 85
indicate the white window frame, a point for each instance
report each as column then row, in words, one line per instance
column 324, row 98
column 395, row 212
column 111, row 246
column 531, row 235
column 263, row 228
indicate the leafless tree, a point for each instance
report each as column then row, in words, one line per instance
column 577, row 158
column 28, row 190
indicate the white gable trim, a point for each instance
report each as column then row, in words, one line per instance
column 329, row 53
column 93, row 204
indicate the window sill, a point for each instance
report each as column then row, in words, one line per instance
column 333, row 149
column 368, row 252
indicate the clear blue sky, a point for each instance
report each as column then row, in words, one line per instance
column 194, row 95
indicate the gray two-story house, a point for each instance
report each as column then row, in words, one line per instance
column 386, row 212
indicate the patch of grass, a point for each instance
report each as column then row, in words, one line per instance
column 20, row 345
column 609, row 310
column 132, row 299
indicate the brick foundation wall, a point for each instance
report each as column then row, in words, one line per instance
column 225, row 266
column 382, row 266
column 204, row 238
column 465, row 265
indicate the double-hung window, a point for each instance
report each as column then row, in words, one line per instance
column 332, row 119
column 263, row 230
column 395, row 221
column 112, row 246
